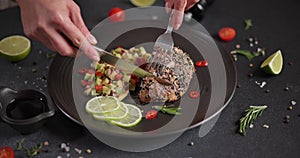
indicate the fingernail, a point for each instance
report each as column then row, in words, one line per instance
column 92, row 39
column 176, row 26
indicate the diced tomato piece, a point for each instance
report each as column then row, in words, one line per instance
column 98, row 88
column 99, row 73
column 151, row 114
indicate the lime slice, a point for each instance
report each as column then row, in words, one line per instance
column 102, row 104
column 273, row 64
column 133, row 117
column 142, row 3
column 117, row 114
column 15, row 48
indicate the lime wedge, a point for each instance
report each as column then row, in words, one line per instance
column 15, row 48
column 273, row 64
column 133, row 117
column 142, row 3
column 102, row 104
column 117, row 114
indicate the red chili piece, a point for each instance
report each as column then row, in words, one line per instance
column 201, row 63
column 151, row 114
column 194, row 94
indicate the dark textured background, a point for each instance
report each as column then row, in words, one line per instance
column 276, row 25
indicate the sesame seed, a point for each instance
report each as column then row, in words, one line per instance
column 251, row 65
column 251, row 126
column 293, row 102
column 89, row 151
column 237, row 46
column 266, row 126
column 290, row 107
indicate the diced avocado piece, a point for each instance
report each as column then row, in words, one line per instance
column 112, row 75
column 119, row 55
column 119, row 90
column 135, row 55
column 98, row 81
column 87, row 76
column 118, row 50
column 94, row 93
column 127, row 78
column 106, row 90
column 131, row 86
column 87, row 91
column 147, row 56
column 120, row 83
column 112, row 86
column 142, row 50
column 105, row 81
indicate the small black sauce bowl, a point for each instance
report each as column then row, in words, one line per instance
column 26, row 110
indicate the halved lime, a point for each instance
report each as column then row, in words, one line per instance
column 15, row 48
column 142, row 3
column 102, row 104
column 133, row 117
column 117, row 114
column 273, row 64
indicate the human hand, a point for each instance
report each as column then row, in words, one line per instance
column 57, row 24
column 179, row 7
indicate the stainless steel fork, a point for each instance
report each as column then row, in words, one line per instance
column 163, row 47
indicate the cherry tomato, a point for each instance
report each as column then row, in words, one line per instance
column 7, row 152
column 98, row 88
column 82, row 70
column 151, row 114
column 194, row 94
column 227, row 33
column 99, row 73
column 118, row 76
column 116, row 14
column 201, row 63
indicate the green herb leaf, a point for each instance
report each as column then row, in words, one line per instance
column 250, row 115
column 248, row 24
column 29, row 152
column 50, row 55
column 246, row 53
column 168, row 109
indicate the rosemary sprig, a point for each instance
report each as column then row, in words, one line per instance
column 168, row 109
column 250, row 115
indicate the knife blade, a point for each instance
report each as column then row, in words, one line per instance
column 125, row 66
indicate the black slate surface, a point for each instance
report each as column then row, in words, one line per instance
column 275, row 24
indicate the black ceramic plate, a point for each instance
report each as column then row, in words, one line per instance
column 60, row 82
column 60, row 79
